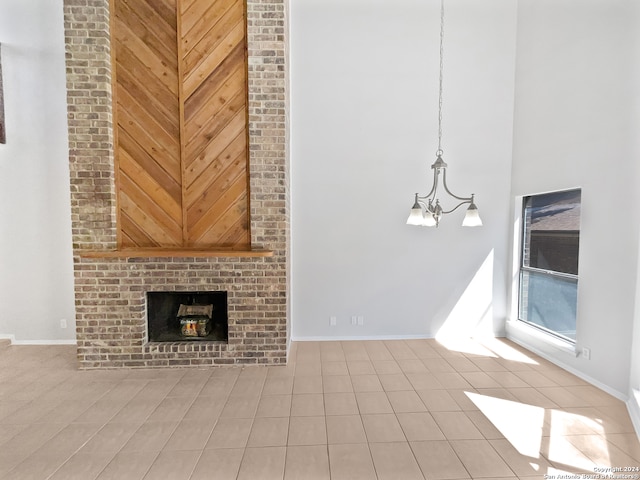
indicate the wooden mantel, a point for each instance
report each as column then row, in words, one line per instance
column 173, row 253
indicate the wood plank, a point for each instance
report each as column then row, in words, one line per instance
column 147, row 184
column 214, row 220
column 147, row 215
column 139, row 217
column 140, row 78
column 139, row 119
column 237, row 234
column 210, row 30
column 168, row 159
column 127, row 40
column 229, row 228
column 132, row 235
column 157, row 13
column 235, row 60
column 125, row 241
column 167, row 9
column 114, row 123
column 234, row 154
column 192, row 10
column 207, row 62
column 149, row 25
column 199, row 12
column 213, row 161
column 200, row 120
column 236, row 107
column 155, row 170
column 164, row 10
column 160, row 103
column 185, row 5
column 199, row 205
column 179, row 28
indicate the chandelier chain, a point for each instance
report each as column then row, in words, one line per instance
column 427, row 211
column 439, row 152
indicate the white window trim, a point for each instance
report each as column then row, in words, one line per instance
column 538, row 335
column 516, row 328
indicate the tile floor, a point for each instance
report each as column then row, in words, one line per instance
column 400, row 410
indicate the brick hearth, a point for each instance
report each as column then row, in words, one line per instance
column 110, row 293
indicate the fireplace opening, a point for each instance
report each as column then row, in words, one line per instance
column 187, row 316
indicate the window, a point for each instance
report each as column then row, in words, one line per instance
column 549, row 266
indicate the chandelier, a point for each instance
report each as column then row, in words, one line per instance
column 427, row 210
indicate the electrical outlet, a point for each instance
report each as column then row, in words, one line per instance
column 332, row 321
column 63, row 323
column 354, row 320
column 586, row 353
column 360, row 320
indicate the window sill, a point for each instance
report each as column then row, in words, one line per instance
column 516, row 326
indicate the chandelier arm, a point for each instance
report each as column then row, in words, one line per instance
column 444, row 184
column 431, row 195
column 423, row 204
column 428, row 207
column 457, row 206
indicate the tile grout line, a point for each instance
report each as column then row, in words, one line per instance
column 246, row 446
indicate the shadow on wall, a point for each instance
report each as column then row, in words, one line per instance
column 472, row 315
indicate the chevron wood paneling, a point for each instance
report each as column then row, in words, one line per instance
column 148, row 117
column 182, row 153
column 215, row 154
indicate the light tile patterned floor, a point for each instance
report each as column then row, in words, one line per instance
column 399, row 410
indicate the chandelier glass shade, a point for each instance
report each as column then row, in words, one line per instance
column 427, row 210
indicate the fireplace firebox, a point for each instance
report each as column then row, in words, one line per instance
column 187, row 316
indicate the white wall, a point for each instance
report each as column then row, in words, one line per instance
column 575, row 126
column 364, row 133
column 634, row 387
column 36, row 266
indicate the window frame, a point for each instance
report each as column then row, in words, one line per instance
column 522, row 269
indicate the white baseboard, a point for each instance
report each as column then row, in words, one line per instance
column 35, row 342
column 633, row 406
column 340, row 338
column 596, row 383
column 44, row 342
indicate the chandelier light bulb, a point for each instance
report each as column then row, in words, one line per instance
column 472, row 217
column 415, row 217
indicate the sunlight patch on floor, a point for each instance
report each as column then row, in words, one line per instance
column 520, row 423
column 464, row 345
column 507, row 352
column 566, row 423
column 577, row 439
column 562, row 437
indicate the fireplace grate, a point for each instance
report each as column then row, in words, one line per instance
column 187, row 316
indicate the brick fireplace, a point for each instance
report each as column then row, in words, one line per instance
column 111, row 288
